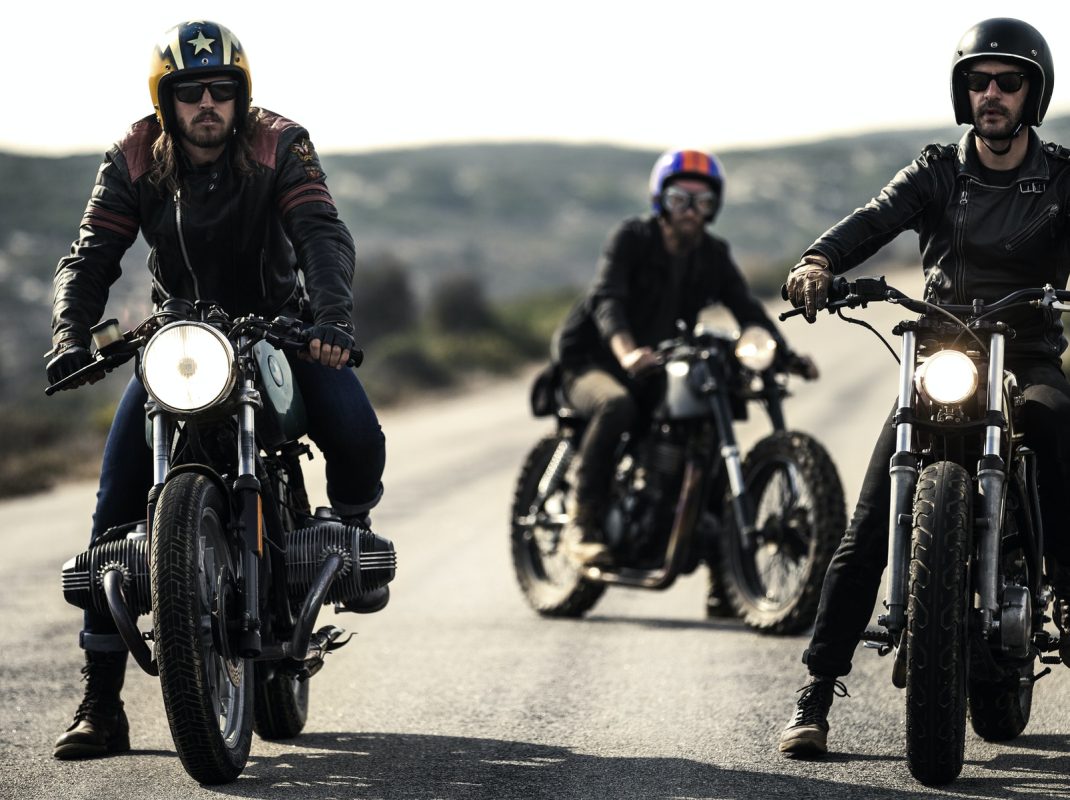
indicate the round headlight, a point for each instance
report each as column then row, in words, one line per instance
column 947, row 377
column 755, row 348
column 188, row 366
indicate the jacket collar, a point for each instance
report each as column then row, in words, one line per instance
column 1033, row 168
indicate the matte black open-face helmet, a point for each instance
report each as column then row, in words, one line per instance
column 1009, row 40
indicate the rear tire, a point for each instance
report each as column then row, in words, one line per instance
column 281, row 707
column 774, row 582
column 550, row 583
column 937, row 624
column 207, row 690
column 999, row 710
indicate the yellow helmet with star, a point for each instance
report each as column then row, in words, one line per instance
column 191, row 47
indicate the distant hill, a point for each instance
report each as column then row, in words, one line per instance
column 523, row 217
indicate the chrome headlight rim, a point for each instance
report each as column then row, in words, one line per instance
column 947, row 378
column 755, row 348
column 227, row 367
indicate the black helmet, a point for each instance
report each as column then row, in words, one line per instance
column 1004, row 39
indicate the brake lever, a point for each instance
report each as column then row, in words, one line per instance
column 105, row 364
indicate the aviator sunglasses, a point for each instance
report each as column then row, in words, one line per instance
column 193, row 91
column 678, row 201
column 1008, row 82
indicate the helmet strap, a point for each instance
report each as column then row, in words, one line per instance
column 1008, row 139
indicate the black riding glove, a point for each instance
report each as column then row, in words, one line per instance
column 332, row 334
column 69, row 360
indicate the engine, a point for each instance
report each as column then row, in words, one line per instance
column 83, row 575
column 369, row 560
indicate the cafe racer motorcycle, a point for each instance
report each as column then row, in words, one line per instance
column 683, row 494
column 967, row 593
column 231, row 562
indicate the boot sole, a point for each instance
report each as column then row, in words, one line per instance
column 76, row 751
column 803, row 746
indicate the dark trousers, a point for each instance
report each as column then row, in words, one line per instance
column 342, row 424
column 849, row 591
column 611, row 412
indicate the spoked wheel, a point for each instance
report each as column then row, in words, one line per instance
column 207, row 688
column 281, row 708
column 773, row 576
column 551, row 584
column 937, row 623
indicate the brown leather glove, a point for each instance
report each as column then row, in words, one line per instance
column 808, row 285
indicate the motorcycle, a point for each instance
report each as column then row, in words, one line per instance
column 966, row 587
column 231, row 561
column 682, row 493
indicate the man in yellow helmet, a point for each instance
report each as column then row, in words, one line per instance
column 232, row 202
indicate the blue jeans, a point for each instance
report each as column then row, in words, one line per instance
column 341, row 423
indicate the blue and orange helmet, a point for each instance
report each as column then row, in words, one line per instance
column 676, row 164
column 197, row 46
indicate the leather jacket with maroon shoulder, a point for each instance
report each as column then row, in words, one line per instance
column 234, row 237
column 980, row 237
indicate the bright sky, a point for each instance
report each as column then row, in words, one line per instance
column 373, row 75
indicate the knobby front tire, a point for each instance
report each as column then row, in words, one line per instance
column 773, row 582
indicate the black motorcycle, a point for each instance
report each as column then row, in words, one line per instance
column 967, row 591
column 682, row 493
column 231, row 561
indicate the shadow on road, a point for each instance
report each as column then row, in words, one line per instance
column 411, row 766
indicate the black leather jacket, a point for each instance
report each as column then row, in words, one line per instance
column 977, row 240
column 631, row 293
column 236, row 239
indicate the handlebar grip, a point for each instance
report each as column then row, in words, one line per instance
column 356, row 358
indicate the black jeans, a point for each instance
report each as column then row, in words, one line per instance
column 854, row 574
column 342, row 424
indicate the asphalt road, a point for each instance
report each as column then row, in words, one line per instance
column 458, row 691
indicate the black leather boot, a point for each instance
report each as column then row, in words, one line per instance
column 100, row 726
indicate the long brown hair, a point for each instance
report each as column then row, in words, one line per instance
column 164, row 171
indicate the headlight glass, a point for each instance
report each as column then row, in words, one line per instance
column 188, row 366
column 755, row 348
column 948, row 377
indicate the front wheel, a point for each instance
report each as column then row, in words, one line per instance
column 551, row 584
column 207, row 688
column 937, row 623
column 772, row 577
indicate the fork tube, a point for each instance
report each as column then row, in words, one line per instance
column 733, row 461
column 903, row 470
column 992, row 482
column 247, row 490
column 161, row 458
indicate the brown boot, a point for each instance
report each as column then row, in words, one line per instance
column 580, row 537
column 100, row 726
column 807, row 732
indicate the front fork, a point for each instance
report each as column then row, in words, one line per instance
column 991, row 480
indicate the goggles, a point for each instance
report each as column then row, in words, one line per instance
column 677, row 201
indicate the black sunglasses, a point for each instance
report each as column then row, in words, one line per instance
column 193, row 91
column 1008, row 82
column 678, row 201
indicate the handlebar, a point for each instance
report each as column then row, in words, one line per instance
column 284, row 333
column 850, row 294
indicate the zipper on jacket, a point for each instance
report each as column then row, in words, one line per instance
column 1032, row 228
column 960, row 239
column 182, row 245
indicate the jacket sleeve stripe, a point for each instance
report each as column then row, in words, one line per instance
column 98, row 218
column 319, row 197
column 305, row 193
